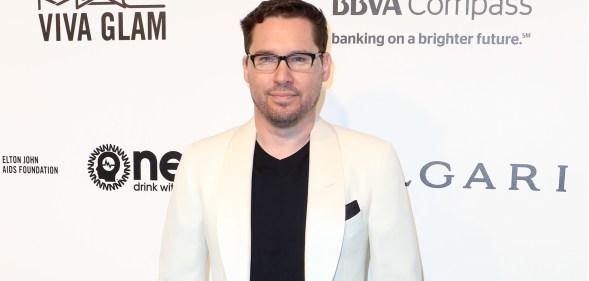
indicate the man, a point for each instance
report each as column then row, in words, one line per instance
column 288, row 196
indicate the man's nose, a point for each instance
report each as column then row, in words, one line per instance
column 283, row 73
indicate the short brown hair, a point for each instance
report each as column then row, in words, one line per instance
column 286, row 9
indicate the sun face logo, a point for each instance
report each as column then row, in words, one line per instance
column 109, row 167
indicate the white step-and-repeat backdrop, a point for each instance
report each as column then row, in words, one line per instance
column 485, row 101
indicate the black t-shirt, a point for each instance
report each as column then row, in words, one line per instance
column 279, row 209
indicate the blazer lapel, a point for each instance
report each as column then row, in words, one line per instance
column 233, row 217
column 325, row 204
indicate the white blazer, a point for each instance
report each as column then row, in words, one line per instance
column 208, row 220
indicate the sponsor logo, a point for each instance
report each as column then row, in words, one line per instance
column 468, row 8
column 116, row 20
column 82, row 3
column 438, row 174
column 110, row 168
column 26, row 164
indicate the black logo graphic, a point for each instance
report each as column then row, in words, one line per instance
column 109, row 167
column 58, row 22
column 120, row 3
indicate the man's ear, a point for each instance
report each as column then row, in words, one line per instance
column 244, row 63
column 326, row 66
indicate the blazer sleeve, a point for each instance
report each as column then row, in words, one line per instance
column 184, row 253
column 394, row 252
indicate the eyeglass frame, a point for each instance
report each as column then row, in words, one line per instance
column 285, row 59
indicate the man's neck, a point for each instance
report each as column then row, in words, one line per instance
column 283, row 142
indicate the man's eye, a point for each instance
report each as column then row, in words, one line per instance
column 263, row 59
column 299, row 59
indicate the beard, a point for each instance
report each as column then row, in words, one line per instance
column 283, row 118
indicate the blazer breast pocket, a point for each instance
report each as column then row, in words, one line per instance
column 354, row 221
column 352, row 209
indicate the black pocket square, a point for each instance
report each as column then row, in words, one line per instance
column 352, row 209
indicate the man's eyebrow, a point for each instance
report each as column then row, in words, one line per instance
column 268, row 52
column 303, row 52
column 265, row 52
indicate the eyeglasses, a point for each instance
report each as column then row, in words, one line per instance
column 300, row 62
